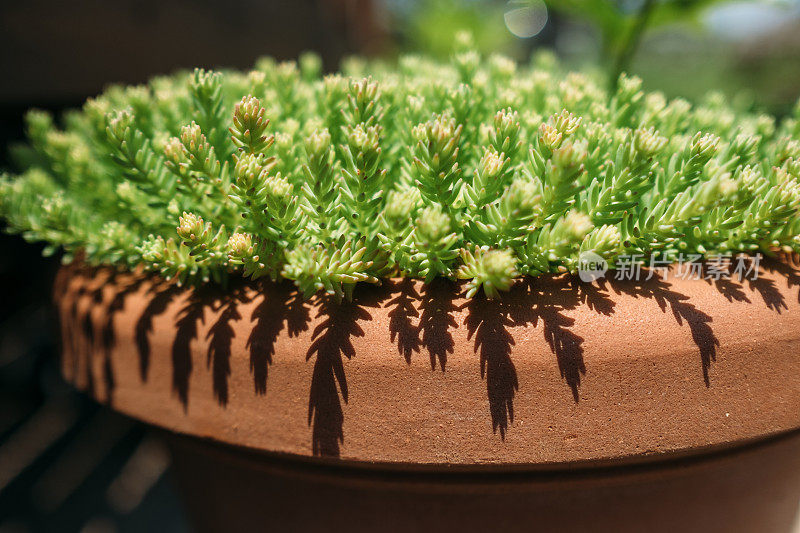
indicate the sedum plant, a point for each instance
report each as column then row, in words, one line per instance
column 477, row 169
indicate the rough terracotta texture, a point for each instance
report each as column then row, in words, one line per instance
column 556, row 372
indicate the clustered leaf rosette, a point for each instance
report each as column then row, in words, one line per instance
column 476, row 169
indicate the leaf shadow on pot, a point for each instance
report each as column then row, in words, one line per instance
column 545, row 299
column 529, row 302
column 488, row 321
column 95, row 323
column 436, row 321
column 214, row 299
column 75, row 341
column 421, row 317
column 731, row 286
column 682, row 310
column 402, row 331
column 187, row 323
column 332, row 342
column 220, row 336
column 130, row 285
column 788, row 268
column 69, row 297
column 163, row 295
column 280, row 303
column 433, row 307
column 82, row 339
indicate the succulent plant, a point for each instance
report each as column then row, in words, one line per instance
column 477, row 169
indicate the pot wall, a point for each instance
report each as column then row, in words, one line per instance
column 553, row 375
column 752, row 490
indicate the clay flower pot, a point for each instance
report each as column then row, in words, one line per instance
column 620, row 406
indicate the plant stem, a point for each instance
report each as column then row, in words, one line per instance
column 631, row 43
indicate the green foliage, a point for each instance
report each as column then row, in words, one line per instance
column 494, row 270
column 476, row 169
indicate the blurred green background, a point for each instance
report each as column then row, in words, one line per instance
column 748, row 50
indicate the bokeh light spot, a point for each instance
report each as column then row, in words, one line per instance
column 526, row 18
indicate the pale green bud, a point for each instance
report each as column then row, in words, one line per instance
column 467, row 62
column 570, row 155
column 249, row 125
column 174, row 150
column 494, row 270
column 502, row 66
column 240, row 246
column 433, row 224
column 250, row 170
column 550, row 136
column 441, row 135
column 648, row 142
column 745, row 145
column 604, row 240
column 565, row 122
column 365, row 140
column 765, row 125
column 574, row 227
column 727, row 187
column 506, row 123
column 790, row 149
column 118, row 123
column 310, row 65
column 364, row 90
column 750, row 177
column 501, row 266
column 792, row 166
column 193, row 139
column 284, row 141
column 191, row 228
column 464, row 40
column 279, row 187
column 318, row 143
column 522, row 198
column 705, row 146
column 491, row 165
column 286, row 71
column 399, row 207
column 629, row 87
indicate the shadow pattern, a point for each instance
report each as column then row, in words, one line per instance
column 667, row 299
column 402, row 330
column 95, row 323
column 283, row 305
column 157, row 304
column 187, row 324
column 419, row 319
column 487, row 322
column 107, row 338
column 786, row 266
column 220, row 336
column 332, row 342
column 436, row 321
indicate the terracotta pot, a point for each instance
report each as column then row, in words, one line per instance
column 625, row 406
